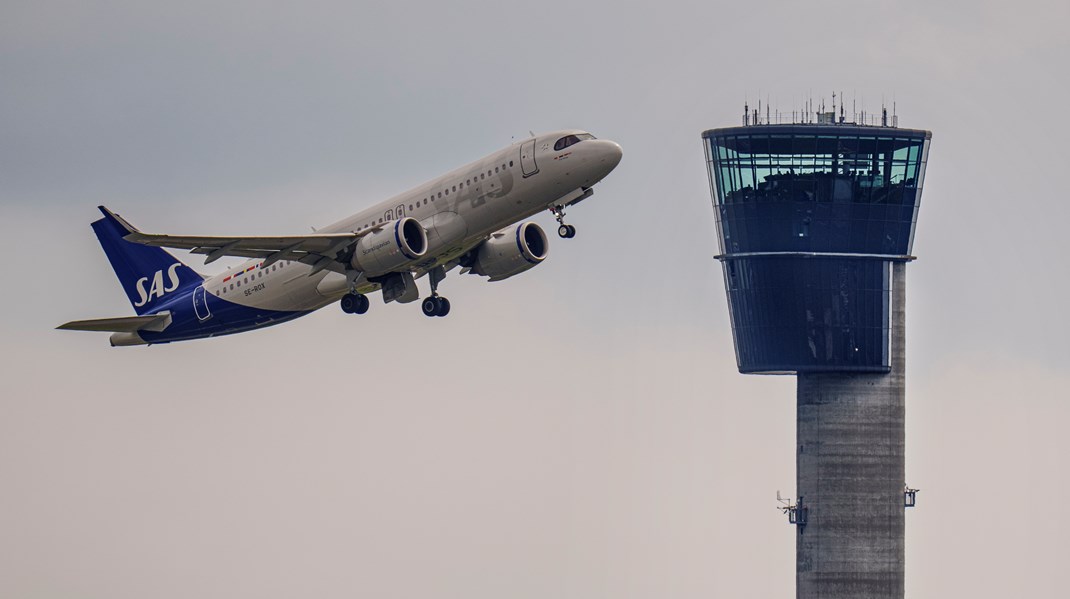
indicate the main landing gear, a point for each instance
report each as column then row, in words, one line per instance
column 355, row 303
column 435, row 305
column 563, row 230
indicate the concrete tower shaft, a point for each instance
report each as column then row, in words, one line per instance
column 850, row 474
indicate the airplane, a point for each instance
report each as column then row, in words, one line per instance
column 472, row 217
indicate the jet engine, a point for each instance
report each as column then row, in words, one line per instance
column 510, row 251
column 392, row 247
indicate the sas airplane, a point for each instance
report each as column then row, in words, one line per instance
column 470, row 218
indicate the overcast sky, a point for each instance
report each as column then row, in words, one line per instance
column 578, row 431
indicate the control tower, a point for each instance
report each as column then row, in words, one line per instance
column 815, row 224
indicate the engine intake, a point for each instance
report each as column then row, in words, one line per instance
column 511, row 251
column 392, row 247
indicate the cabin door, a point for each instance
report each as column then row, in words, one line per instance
column 200, row 304
column 527, row 158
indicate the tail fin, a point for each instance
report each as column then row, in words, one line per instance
column 146, row 273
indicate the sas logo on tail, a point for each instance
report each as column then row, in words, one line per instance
column 157, row 289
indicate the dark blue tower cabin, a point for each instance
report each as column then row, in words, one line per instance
column 815, row 224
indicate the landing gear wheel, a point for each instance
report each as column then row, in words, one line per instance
column 443, row 307
column 435, row 306
column 349, row 304
column 355, row 303
column 564, row 231
column 430, row 306
column 363, row 303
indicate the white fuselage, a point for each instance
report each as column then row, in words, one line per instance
column 473, row 202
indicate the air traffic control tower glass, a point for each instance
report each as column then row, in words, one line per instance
column 809, row 219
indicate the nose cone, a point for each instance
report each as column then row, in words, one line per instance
column 605, row 157
column 611, row 153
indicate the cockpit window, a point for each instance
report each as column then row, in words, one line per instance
column 569, row 140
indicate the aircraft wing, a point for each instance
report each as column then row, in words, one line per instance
column 319, row 250
column 121, row 324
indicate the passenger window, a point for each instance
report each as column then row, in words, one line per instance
column 495, row 169
column 481, row 176
column 410, row 206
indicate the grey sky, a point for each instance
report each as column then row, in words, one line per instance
column 578, row 431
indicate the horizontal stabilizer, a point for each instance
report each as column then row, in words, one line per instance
column 121, row 324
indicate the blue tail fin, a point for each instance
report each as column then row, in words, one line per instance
column 147, row 274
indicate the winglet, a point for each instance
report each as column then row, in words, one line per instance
column 118, row 220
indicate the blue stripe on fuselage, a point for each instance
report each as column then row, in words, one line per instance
column 227, row 318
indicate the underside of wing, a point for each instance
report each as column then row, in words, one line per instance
column 320, row 250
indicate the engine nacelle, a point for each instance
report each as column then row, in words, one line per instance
column 511, row 251
column 444, row 231
column 389, row 249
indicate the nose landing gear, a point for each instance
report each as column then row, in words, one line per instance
column 564, row 231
